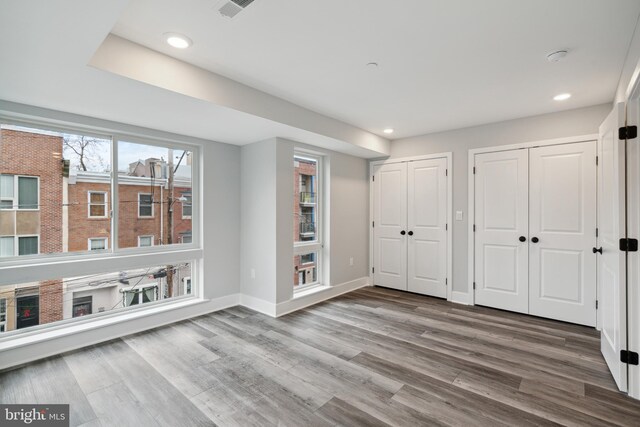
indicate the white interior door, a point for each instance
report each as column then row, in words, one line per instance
column 426, row 227
column 390, row 225
column 610, row 264
column 562, row 232
column 501, row 221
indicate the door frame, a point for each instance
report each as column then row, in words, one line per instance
column 449, row 157
column 472, row 195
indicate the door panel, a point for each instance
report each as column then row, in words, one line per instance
column 427, row 220
column 390, row 218
column 610, row 265
column 562, row 215
column 501, row 211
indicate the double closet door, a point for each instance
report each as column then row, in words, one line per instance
column 535, row 231
column 410, row 211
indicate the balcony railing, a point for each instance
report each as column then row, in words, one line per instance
column 307, row 198
column 307, row 228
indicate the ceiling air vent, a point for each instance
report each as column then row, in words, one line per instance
column 231, row 8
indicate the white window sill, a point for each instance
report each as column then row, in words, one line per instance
column 71, row 328
column 310, row 291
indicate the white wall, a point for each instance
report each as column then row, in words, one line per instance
column 581, row 121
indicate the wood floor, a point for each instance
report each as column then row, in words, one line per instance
column 372, row 357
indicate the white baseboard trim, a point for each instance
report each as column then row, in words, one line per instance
column 259, row 305
column 57, row 340
column 322, row 294
column 461, row 298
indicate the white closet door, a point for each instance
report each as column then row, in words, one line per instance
column 610, row 264
column 562, row 218
column 390, row 220
column 426, row 227
column 501, row 212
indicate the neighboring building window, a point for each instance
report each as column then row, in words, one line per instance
column 3, row 314
column 26, row 189
column 307, row 240
column 98, row 244
column 28, row 245
column 7, row 246
column 145, row 241
column 97, row 204
column 187, row 285
column 186, row 205
column 145, row 205
column 82, row 306
column 139, row 296
column 186, row 238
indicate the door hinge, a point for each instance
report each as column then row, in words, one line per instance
column 629, row 357
column 373, row 178
column 474, row 286
column 596, row 160
column 373, row 269
column 596, row 304
column 474, row 228
column 597, row 231
column 373, row 224
column 474, row 170
column 446, row 172
column 446, row 227
column 446, row 282
column 628, row 132
column 629, row 245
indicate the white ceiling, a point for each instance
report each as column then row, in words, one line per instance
column 442, row 64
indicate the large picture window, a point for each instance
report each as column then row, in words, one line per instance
column 60, row 195
column 307, row 225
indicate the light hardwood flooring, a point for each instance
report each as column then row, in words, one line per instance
column 372, row 357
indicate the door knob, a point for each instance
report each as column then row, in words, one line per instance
column 535, row 239
column 403, row 232
column 597, row 250
column 410, row 233
column 522, row 239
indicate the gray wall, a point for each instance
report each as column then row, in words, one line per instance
column 221, row 219
column 548, row 126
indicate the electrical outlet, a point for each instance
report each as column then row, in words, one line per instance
column 351, row 261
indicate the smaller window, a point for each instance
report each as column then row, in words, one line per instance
column 97, row 204
column 27, row 192
column 98, row 244
column 7, row 246
column 186, row 238
column 145, row 241
column 82, row 306
column 28, row 245
column 145, row 205
column 187, row 285
column 6, row 192
column 186, row 205
column 3, row 314
column 139, row 296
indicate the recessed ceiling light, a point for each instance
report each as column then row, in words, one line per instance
column 388, row 131
column 178, row 40
column 562, row 97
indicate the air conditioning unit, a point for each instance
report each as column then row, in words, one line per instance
column 230, row 8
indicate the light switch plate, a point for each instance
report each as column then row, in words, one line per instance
column 458, row 215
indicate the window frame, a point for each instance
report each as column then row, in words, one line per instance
column 15, row 201
column 305, row 247
column 106, row 243
column 42, row 267
column 105, row 204
column 150, row 236
column 150, row 204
